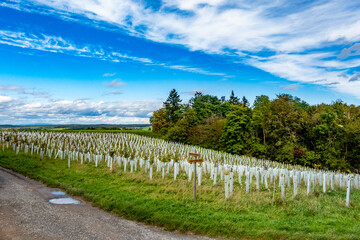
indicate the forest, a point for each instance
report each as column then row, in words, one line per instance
column 285, row 129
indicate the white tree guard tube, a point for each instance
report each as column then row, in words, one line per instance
column 348, row 193
column 247, row 181
column 215, row 175
column 199, row 175
column 231, row 178
column 151, row 171
column 295, row 184
column 308, row 184
column 282, row 184
column 226, row 187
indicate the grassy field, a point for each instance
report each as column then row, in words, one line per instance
column 168, row 203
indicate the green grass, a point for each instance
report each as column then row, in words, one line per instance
column 168, row 203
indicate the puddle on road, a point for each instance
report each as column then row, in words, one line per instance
column 58, row 193
column 64, row 201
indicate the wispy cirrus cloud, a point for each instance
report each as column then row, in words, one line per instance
column 194, row 70
column 57, row 44
column 41, row 42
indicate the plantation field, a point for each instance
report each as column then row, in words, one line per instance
column 138, row 131
column 168, row 203
column 141, row 132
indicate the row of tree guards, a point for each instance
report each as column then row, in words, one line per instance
column 138, row 153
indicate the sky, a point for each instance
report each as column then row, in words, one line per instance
column 115, row 61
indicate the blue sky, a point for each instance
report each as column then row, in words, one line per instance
column 115, row 61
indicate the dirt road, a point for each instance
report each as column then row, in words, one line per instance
column 25, row 213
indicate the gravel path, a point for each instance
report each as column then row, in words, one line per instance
column 25, row 213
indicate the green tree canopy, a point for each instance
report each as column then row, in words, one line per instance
column 237, row 131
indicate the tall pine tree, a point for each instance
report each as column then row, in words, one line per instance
column 234, row 100
column 173, row 107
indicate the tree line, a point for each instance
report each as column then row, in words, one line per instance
column 285, row 129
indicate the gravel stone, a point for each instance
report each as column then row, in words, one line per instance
column 25, row 213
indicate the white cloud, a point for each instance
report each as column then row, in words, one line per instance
column 117, row 92
column 115, row 83
column 16, row 111
column 109, row 74
column 355, row 77
column 5, row 99
column 38, row 94
column 12, row 88
column 21, row 90
column 194, row 70
column 213, row 25
column 291, row 87
column 286, row 30
column 312, row 69
column 351, row 51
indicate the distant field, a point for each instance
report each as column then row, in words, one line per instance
column 61, row 127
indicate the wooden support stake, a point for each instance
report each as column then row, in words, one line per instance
column 194, row 161
column 194, row 181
